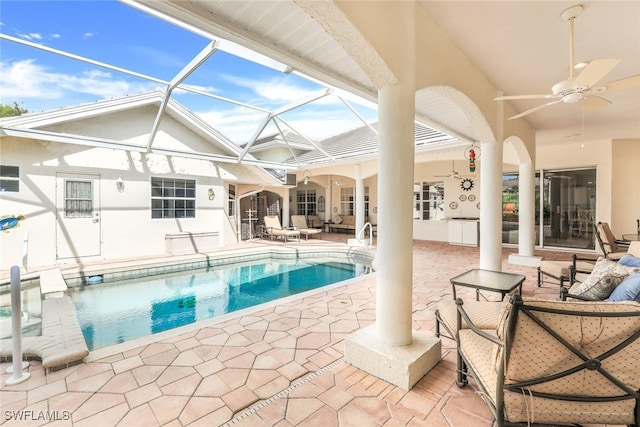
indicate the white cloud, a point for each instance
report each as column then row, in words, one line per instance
column 26, row 79
column 88, row 35
column 240, row 124
column 275, row 89
column 30, row 36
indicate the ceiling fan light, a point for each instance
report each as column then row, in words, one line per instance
column 580, row 65
column 573, row 97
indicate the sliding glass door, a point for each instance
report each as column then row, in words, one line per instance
column 565, row 200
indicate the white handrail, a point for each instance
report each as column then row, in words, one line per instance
column 361, row 233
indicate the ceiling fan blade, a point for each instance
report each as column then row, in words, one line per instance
column 533, row 110
column 505, row 98
column 594, row 72
column 592, row 102
column 627, row 82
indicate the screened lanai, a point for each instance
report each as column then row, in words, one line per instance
column 264, row 99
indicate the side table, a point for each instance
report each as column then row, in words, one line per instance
column 488, row 280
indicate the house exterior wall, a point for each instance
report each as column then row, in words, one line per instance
column 126, row 227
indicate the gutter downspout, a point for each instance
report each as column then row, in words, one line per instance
column 238, row 213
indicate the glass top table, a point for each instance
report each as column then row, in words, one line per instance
column 488, row 280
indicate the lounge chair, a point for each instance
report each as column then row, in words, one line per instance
column 299, row 223
column 555, row 362
column 611, row 247
column 272, row 228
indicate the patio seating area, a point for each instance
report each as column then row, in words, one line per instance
column 278, row 364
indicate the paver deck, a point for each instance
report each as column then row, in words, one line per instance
column 278, row 365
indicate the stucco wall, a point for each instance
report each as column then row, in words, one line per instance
column 126, row 227
column 625, row 191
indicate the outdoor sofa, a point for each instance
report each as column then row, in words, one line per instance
column 612, row 280
column 347, row 223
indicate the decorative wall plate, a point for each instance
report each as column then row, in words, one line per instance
column 471, row 197
column 462, row 198
column 466, row 184
column 453, row 205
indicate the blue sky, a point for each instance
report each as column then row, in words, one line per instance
column 117, row 34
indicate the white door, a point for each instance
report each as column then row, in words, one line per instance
column 78, row 215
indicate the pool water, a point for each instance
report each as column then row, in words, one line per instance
column 119, row 311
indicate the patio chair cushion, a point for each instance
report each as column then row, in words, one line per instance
column 483, row 314
column 337, row 219
column 604, row 278
column 628, row 290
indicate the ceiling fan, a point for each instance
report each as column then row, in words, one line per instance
column 579, row 90
column 453, row 174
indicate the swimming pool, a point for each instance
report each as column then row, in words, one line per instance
column 114, row 312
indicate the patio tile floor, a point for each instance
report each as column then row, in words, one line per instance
column 275, row 366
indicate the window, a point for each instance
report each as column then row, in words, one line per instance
column 346, row 201
column 306, row 202
column 232, row 200
column 9, row 178
column 173, row 198
column 78, row 199
column 428, row 200
column 366, row 202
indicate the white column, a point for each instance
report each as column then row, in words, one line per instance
column 329, row 201
column 491, row 206
column 286, row 207
column 395, row 224
column 359, row 189
column 527, row 210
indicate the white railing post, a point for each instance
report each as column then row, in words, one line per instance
column 361, row 233
column 17, row 366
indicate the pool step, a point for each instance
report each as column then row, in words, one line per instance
column 359, row 243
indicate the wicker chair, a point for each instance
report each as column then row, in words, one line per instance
column 555, row 362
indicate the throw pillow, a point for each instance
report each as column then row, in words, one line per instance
column 629, row 260
column 625, row 270
column 628, row 290
column 337, row 219
column 592, row 287
column 597, row 290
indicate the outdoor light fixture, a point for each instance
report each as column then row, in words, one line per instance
column 120, row 184
column 307, row 177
